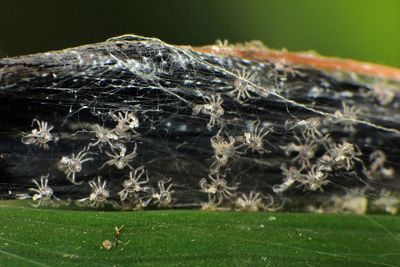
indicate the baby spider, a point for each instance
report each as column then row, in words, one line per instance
column 377, row 169
column 134, row 185
column 242, row 86
column 222, row 47
column 72, row 165
column 347, row 117
column 40, row 136
column 164, row 196
column 343, row 155
column 387, row 202
column 125, row 121
column 383, row 92
column 316, row 177
column 306, row 150
column 120, row 160
column 43, row 192
column 291, row 175
column 251, row 203
column 254, row 138
column 354, row 201
column 309, row 127
column 212, row 204
column 213, row 108
column 218, row 186
column 104, row 136
column 99, row 194
column 282, row 69
column 223, row 150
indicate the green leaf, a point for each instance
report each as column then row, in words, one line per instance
column 54, row 237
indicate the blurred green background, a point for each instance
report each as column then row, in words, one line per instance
column 367, row 30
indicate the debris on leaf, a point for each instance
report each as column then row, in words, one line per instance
column 107, row 244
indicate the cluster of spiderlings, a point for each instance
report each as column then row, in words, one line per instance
column 223, row 194
column 177, row 88
column 358, row 201
column 135, row 194
column 315, row 158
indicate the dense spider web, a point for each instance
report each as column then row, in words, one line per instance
column 168, row 89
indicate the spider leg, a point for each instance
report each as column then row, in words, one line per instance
column 169, row 187
column 108, row 162
column 130, row 166
column 85, row 160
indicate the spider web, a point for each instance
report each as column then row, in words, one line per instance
column 161, row 84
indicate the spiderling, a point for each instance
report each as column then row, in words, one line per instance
column 309, row 127
column 43, row 194
column 212, row 204
column 342, row 155
column 291, row 175
column 164, row 195
column 347, row 117
column 305, row 150
column 104, row 136
column 387, row 202
column 316, row 177
column 98, row 195
column 212, row 107
column 126, row 121
column 43, row 191
column 120, row 160
column 242, row 86
column 134, row 184
column 217, row 186
column 40, row 136
column 383, row 92
column 224, row 149
column 73, row 164
column 283, row 70
column 254, row 139
column 252, row 202
column 377, row 169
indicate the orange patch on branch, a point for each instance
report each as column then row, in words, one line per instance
column 309, row 60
